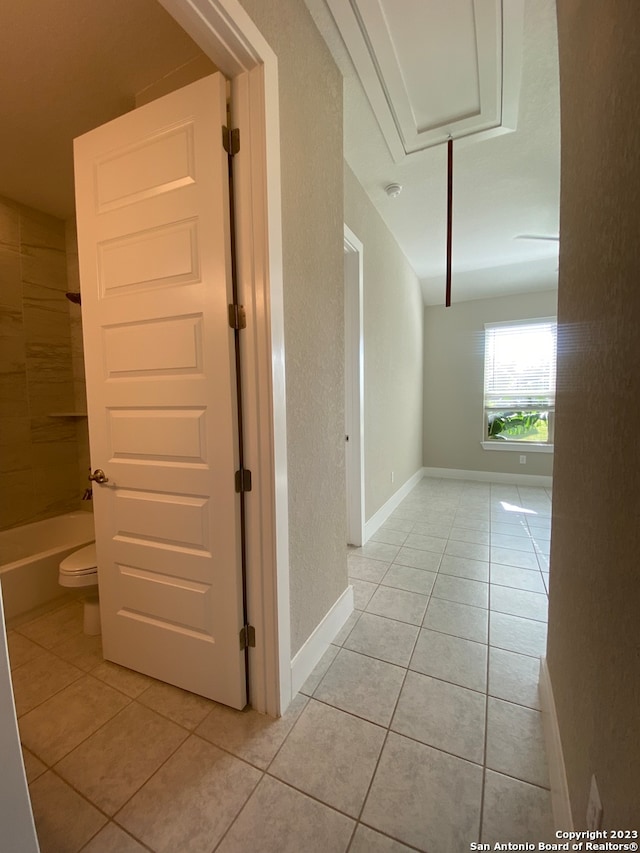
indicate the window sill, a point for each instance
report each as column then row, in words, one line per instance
column 518, row 446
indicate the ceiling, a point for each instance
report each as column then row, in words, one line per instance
column 484, row 72
column 74, row 65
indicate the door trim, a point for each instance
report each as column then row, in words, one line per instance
column 354, row 383
column 225, row 32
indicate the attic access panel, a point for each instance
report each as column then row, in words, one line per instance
column 434, row 69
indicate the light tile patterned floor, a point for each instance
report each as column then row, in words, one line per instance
column 419, row 730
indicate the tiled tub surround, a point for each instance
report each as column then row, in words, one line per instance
column 419, row 730
column 39, row 467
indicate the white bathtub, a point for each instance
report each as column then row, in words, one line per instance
column 30, row 556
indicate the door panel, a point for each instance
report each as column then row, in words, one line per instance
column 153, row 233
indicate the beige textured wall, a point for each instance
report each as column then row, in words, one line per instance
column 38, row 454
column 593, row 647
column 312, row 214
column 393, row 337
column 454, row 382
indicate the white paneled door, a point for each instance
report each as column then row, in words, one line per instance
column 152, row 201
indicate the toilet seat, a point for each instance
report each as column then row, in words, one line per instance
column 80, row 568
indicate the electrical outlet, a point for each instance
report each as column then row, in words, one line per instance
column 393, row 476
column 523, row 460
column 594, row 806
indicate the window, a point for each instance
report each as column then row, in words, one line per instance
column 519, row 383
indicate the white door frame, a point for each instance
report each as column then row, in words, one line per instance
column 354, row 384
column 226, row 33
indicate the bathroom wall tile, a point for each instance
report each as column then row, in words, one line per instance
column 9, row 223
column 424, row 797
column 46, row 316
column 39, row 679
column 11, row 321
column 58, row 725
column 49, row 378
column 54, row 450
column 64, row 820
column 56, row 489
column 278, row 819
column 15, row 444
column 112, row 764
column 44, row 266
column 13, row 380
column 251, row 736
column 10, row 281
column 47, row 430
column 40, row 230
column 331, row 756
column 184, row 708
column 191, row 801
column 36, row 368
column 20, row 509
column 42, row 245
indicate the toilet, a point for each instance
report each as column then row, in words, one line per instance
column 80, row 571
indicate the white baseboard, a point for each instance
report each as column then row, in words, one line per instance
column 560, row 802
column 378, row 519
column 305, row 660
column 489, row 477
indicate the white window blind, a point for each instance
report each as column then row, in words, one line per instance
column 520, row 365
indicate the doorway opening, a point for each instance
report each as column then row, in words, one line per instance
column 354, row 386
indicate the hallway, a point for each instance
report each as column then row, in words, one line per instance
column 419, row 730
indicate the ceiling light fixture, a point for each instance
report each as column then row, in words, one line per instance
column 393, row 190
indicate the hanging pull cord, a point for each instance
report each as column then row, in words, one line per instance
column 447, row 301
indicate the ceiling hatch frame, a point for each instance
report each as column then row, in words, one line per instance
column 476, row 92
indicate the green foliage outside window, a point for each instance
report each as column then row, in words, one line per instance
column 520, row 426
